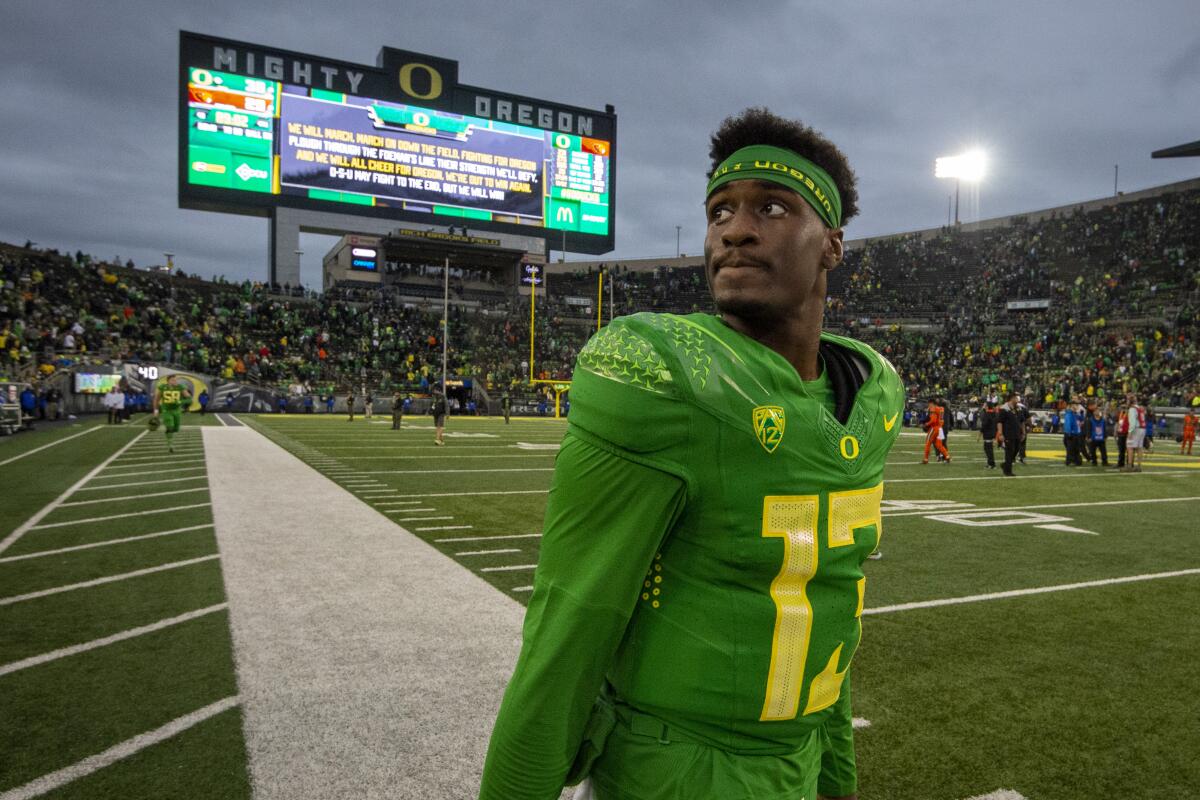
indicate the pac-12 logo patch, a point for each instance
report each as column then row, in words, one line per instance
column 768, row 426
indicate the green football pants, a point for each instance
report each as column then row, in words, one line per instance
column 645, row 760
column 170, row 420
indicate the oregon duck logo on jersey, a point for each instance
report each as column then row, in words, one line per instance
column 768, row 426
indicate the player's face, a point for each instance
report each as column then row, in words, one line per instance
column 766, row 253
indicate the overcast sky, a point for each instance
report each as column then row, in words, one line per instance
column 1056, row 92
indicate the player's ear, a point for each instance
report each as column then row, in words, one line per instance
column 834, row 249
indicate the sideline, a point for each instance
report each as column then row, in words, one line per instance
column 365, row 658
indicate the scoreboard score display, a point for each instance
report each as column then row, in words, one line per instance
column 259, row 129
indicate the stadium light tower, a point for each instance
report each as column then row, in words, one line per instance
column 970, row 166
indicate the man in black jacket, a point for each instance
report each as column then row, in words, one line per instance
column 1012, row 428
column 988, row 423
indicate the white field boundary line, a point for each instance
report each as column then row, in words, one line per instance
column 105, row 543
column 142, row 483
column 52, row 444
column 930, row 511
column 132, row 497
column 32, row 522
column 1017, row 477
column 112, row 755
column 20, row 598
column 119, row 516
column 1064, row 587
column 132, row 633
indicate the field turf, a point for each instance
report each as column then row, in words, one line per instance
column 1056, row 691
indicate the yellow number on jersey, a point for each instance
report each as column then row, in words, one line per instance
column 793, row 518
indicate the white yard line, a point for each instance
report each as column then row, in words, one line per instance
column 1064, row 587
column 417, row 519
column 133, row 458
column 482, row 553
column 489, row 538
column 141, row 483
column 32, row 522
column 396, row 502
column 63, row 652
column 859, row 723
column 446, row 528
column 452, row 471
column 156, row 472
column 105, row 543
column 521, row 589
column 412, row 511
column 1036, row 477
column 132, row 497
column 450, row 455
column 929, row 511
column 118, row 516
column 1000, row 794
column 112, row 755
column 478, row 494
column 52, row 444
column 509, row 569
column 20, row 598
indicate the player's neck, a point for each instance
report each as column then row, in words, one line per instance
column 797, row 337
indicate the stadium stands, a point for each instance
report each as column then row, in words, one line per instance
column 1113, row 295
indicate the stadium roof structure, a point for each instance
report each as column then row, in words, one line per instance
column 1178, row 151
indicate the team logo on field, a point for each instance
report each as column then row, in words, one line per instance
column 768, row 426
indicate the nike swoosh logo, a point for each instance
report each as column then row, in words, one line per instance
column 888, row 424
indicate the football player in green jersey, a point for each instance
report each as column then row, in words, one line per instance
column 698, row 596
column 168, row 406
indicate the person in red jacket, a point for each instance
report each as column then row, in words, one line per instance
column 934, row 432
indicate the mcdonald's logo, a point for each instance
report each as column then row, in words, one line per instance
column 564, row 214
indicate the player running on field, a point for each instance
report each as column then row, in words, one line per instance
column 934, row 436
column 696, row 605
column 1189, row 434
column 168, row 406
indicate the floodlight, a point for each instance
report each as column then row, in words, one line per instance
column 970, row 166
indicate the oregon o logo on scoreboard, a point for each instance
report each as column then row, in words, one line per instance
column 406, row 81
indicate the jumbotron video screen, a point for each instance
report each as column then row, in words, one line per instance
column 258, row 135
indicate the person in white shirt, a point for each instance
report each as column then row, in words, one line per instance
column 1137, row 432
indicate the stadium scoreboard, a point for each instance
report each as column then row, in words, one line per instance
column 262, row 127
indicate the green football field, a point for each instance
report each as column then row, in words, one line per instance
column 1034, row 634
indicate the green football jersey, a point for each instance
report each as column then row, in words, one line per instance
column 703, row 545
column 170, row 398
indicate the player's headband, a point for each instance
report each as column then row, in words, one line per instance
column 777, row 165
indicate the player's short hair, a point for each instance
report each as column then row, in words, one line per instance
column 761, row 126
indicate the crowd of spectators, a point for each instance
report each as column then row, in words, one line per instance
column 1115, row 296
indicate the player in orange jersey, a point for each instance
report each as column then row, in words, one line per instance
column 1189, row 434
column 935, row 434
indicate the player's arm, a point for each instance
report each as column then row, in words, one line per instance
column 154, row 403
column 605, row 519
column 839, row 773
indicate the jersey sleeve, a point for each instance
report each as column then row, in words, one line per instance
column 625, row 397
column 606, row 517
column 839, row 772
